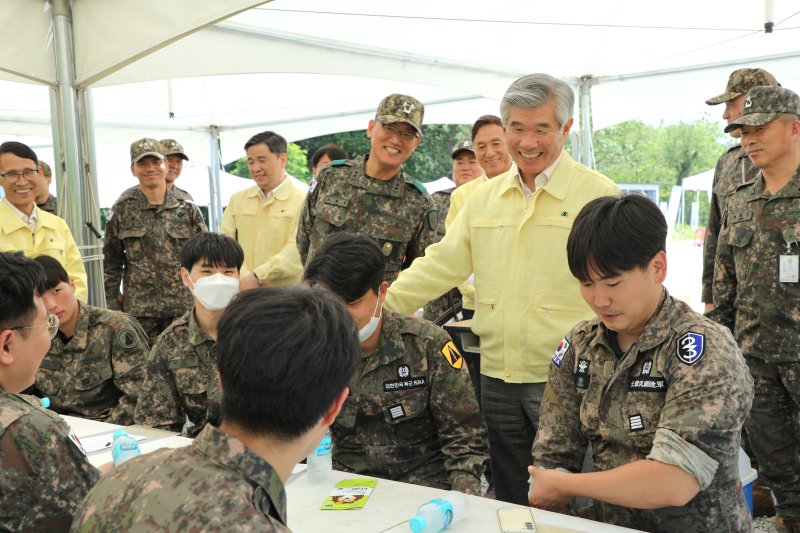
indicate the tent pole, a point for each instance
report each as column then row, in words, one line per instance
column 585, row 92
column 74, row 203
column 93, row 259
column 214, row 196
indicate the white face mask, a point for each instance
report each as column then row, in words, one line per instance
column 215, row 292
column 367, row 331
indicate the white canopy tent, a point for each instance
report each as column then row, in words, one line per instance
column 213, row 73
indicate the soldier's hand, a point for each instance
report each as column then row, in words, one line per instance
column 545, row 492
column 708, row 308
column 121, row 298
column 248, row 282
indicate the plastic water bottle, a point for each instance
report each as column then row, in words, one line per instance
column 440, row 513
column 320, row 462
column 124, row 448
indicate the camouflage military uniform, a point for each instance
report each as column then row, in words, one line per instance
column 49, row 205
column 733, row 169
column 181, row 379
column 398, row 213
column 678, row 396
column 452, row 298
column 98, row 372
column 411, row 414
column 142, row 248
column 216, row 484
column 45, row 475
column 764, row 314
column 180, row 194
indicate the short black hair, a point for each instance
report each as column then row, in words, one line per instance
column 332, row 150
column 275, row 142
column 21, row 278
column 20, row 150
column 284, row 354
column 613, row 235
column 54, row 272
column 348, row 264
column 485, row 120
column 214, row 249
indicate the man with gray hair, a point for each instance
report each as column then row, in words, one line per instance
column 523, row 301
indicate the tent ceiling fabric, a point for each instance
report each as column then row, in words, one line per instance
column 307, row 67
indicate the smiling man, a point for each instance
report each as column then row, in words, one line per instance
column 27, row 228
column 175, row 156
column 512, row 234
column 756, row 289
column 263, row 218
column 373, row 195
column 147, row 227
column 659, row 391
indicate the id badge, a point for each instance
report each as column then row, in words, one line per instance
column 788, row 271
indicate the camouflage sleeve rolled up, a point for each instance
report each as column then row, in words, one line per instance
column 113, row 262
column 724, row 286
column 559, row 442
column 159, row 403
column 45, row 476
column 129, row 352
column 705, row 406
column 460, row 427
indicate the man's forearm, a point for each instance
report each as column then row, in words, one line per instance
column 643, row 484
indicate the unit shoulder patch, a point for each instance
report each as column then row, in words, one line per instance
column 452, row 355
column 690, row 347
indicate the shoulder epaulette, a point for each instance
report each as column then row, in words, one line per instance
column 340, row 163
column 418, row 184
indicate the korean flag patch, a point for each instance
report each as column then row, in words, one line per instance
column 561, row 351
column 690, row 348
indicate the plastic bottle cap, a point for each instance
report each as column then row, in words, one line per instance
column 119, row 433
column 418, row 524
column 45, row 402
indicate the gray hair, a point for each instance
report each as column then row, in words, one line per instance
column 535, row 90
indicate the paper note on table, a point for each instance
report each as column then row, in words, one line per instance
column 95, row 443
column 349, row 494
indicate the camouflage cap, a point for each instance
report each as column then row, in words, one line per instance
column 145, row 147
column 401, row 108
column 173, row 147
column 461, row 146
column 764, row 104
column 741, row 81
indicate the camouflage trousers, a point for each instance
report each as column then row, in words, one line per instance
column 773, row 428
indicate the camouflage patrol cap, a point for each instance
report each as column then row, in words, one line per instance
column 764, row 104
column 741, row 81
column 145, row 147
column 462, row 146
column 401, row 108
column 173, row 147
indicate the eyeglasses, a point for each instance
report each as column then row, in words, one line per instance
column 404, row 135
column 52, row 325
column 14, row 175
